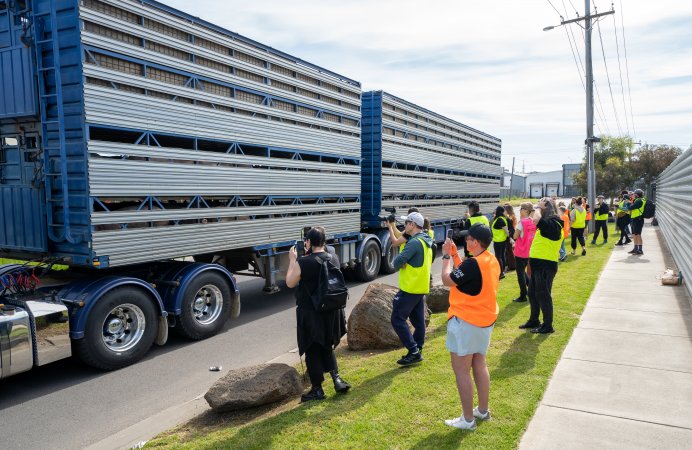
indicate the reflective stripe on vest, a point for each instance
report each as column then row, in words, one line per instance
column 480, row 310
column 499, row 235
column 416, row 280
column 579, row 219
column 600, row 216
column 639, row 211
column 478, row 219
column 544, row 248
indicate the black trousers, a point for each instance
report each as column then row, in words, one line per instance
column 319, row 360
column 522, row 276
column 500, row 249
column 540, row 295
column 623, row 224
column 578, row 234
column 601, row 225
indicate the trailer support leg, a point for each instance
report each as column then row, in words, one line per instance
column 270, row 271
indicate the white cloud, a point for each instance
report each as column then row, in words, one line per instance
column 489, row 64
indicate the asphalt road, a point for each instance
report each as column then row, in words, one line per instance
column 68, row 405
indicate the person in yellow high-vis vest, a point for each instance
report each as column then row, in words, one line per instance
column 543, row 257
column 637, row 218
column 601, row 219
column 500, row 231
column 414, row 264
column 474, row 216
column 578, row 225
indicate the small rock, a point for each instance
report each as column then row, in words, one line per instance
column 369, row 325
column 253, row 386
column 438, row 298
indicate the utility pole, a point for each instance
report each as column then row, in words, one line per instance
column 511, row 179
column 590, row 138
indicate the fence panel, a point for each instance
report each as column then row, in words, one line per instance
column 673, row 211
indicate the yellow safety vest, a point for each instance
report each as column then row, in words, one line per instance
column 478, row 219
column 579, row 219
column 621, row 208
column 544, row 248
column 416, row 280
column 639, row 211
column 499, row 235
column 600, row 216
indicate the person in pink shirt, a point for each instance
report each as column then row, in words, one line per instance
column 523, row 236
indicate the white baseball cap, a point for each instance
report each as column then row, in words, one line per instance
column 414, row 217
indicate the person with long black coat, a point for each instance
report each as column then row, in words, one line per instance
column 318, row 332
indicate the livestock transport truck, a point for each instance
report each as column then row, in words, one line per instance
column 151, row 155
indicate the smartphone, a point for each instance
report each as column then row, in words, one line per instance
column 450, row 233
column 300, row 247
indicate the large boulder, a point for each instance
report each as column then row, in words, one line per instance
column 253, row 386
column 369, row 325
column 438, row 298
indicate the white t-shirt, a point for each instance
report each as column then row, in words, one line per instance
column 520, row 229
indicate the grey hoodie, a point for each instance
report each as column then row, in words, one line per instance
column 413, row 252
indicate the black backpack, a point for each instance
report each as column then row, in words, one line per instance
column 649, row 210
column 331, row 293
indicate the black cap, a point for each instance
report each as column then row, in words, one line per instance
column 481, row 233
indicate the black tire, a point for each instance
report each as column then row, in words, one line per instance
column 369, row 267
column 386, row 267
column 109, row 318
column 206, row 306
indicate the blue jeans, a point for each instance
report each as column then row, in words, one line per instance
column 409, row 307
column 563, row 252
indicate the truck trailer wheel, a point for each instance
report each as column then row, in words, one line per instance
column 205, row 307
column 387, row 260
column 369, row 266
column 120, row 329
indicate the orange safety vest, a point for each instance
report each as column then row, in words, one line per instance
column 565, row 219
column 480, row 310
column 588, row 214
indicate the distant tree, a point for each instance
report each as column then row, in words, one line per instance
column 650, row 160
column 612, row 166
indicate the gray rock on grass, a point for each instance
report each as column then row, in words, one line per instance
column 369, row 325
column 254, row 386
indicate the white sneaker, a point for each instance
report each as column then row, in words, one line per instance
column 461, row 423
column 477, row 414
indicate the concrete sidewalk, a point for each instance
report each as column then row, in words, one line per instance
column 625, row 377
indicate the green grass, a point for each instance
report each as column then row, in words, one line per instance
column 392, row 407
column 19, row 261
column 517, row 201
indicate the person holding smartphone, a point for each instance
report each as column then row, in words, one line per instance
column 472, row 314
column 318, row 332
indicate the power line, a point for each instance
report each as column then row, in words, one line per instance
column 622, row 87
column 610, row 88
column 580, row 68
column 627, row 71
column 558, row 12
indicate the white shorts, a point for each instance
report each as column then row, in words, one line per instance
column 466, row 339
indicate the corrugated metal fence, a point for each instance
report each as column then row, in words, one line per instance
column 673, row 211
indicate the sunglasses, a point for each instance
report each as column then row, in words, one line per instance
column 406, row 222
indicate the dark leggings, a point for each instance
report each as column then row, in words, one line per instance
column 500, row 249
column 319, row 360
column 578, row 234
column 601, row 225
column 623, row 223
column 540, row 295
column 522, row 276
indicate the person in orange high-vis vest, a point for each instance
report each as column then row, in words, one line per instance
column 565, row 218
column 471, row 317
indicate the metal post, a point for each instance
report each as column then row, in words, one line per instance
column 511, row 179
column 591, row 173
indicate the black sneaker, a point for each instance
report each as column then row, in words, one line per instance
column 529, row 324
column 619, row 243
column 520, row 300
column 543, row 330
column 605, row 241
column 502, row 275
column 639, row 252
column 593, row 242
column 633, row 251
column 628, row 241
column 316, row 393
column 411, row 358
column 583, row 252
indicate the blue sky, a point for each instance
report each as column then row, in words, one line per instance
column 489, row 64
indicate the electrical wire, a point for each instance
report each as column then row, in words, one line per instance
column 622, row 87
column 558, row 12
column 580, row 68
column 627, row 71
column 610, row 87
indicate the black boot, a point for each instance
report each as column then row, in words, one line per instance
column 316, row 393
column 339, row 384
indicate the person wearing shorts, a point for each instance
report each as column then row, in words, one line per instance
column 471, row 316
column 637, row 217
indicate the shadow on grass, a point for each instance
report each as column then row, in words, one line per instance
column 520, row 357
column 263, row 433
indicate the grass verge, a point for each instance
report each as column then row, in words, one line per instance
column 392, row 407
column 517, row 201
